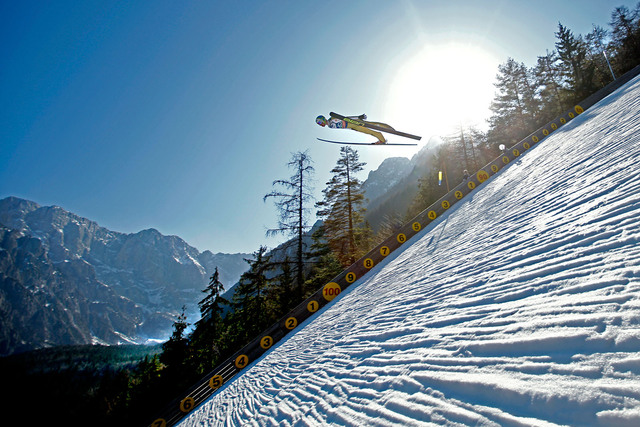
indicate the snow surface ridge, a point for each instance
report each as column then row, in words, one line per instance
column 519, row 306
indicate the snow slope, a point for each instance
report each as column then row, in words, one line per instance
column 520, row 306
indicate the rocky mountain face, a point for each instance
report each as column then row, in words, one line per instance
column 66, row 280
column 391, row 188
column 390, row 172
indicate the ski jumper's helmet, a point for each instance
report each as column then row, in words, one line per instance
column 321, row 121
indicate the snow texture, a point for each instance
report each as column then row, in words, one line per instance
column 520, row 306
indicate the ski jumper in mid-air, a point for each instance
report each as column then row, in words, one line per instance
column 336, row 123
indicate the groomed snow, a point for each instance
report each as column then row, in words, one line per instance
column 520, row 306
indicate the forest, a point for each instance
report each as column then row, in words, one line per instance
column 130, row 386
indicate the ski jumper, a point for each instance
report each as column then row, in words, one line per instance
column 341, row 124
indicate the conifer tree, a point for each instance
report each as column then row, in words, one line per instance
column 205, row 338
column 515, row 106
column 325, row 264
column 625, row 34
column 484, row 149
column 550, row 87
column 175, row 352
column 464, row 146
column 210, row 305
column 249, row 302
column 281, row 298
column 577, row 71
column 174, row 348
column 343, row 211
column 292, row 203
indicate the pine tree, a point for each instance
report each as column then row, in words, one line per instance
column 549, row 81
column 292, row 205
column 210, row 305
column 174, row 349
column 625, row 41
column 175, row 353
column 281, row 299
column 464, row 145
column 343, row 211
column 146, row 387
column 577, row 70
column 515, row 107
column 485, row 148
column 205, row 347
column 249, row 302
column 325, row 264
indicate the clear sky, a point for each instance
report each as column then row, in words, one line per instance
column 179, row 115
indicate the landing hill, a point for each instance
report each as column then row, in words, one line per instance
column 519, row 306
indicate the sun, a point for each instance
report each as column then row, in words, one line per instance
column 445, row 86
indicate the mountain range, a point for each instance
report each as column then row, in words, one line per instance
column 65, row 280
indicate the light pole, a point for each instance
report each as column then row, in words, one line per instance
column 604, row 52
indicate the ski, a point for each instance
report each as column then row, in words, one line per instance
column 372, row 126
column 359, row 143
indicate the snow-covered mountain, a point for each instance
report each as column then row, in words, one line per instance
column 519, row 306
column 66, row 280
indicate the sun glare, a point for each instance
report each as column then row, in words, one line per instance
column 443, row 87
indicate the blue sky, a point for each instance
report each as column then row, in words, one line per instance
column 178, row 115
